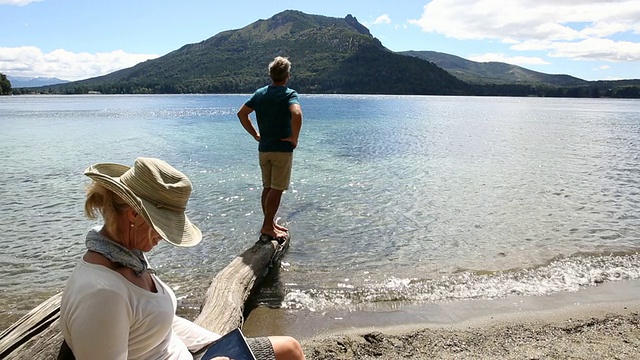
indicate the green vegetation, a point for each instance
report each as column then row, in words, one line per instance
column 500, row 79
column 329, row 56
column 5, row 85
column 492, row 72
column 591, row 90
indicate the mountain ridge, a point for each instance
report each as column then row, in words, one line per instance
column 493, row 71
column 329, row 55
column 25, row 81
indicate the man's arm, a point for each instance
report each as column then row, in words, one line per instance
column 245, row 120
column 296, row 124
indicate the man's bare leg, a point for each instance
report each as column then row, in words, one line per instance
column 275, row 223
column 270, row 204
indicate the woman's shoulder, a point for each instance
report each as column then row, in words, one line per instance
column 95, row 275
column 91, row 277
column 93, row 284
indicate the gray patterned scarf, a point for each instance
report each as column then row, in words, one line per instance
column 134, row 260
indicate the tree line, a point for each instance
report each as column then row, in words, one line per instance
column 5, row 85
column 229, row 86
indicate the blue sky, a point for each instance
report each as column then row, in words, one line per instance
column 79, row 39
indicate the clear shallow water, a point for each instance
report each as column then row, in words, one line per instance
column 407, row 199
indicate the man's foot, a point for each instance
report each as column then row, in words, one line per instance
column 268, row 238
column 274, row 233
column 280, row 227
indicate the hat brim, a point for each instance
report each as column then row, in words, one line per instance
column 172, row 226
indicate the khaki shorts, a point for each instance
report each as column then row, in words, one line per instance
column 276, row 169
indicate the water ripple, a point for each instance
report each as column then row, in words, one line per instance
column 392, row 198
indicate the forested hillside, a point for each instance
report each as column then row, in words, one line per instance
column 496, row 78
column 329, row 55
column 492, row 72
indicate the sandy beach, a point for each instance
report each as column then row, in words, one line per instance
column 614, row 334
column 600, row 322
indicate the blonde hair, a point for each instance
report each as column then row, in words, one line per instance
column 105, row 202
column 279, row 69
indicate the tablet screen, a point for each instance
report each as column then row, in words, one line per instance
column 232, row 345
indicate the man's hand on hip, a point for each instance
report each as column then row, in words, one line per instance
column 290, row 139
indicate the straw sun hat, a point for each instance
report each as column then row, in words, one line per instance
column 156, row 190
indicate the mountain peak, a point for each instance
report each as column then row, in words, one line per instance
column 330, row 55
column 24, row 81
column 353, row 22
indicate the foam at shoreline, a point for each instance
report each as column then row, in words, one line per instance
column 397, row 317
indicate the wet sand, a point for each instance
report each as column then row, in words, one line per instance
column 600, row 322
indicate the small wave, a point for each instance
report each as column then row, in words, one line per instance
column 560, row 275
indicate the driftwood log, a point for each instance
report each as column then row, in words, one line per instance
column 37, row 335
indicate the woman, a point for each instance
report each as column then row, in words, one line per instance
column 113, row 306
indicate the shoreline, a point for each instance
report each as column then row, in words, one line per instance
column 601, row 322
column 590, row 334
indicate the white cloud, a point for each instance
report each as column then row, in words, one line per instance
column 598, row 49
column 547, row 25
column 382, row 19
column 18, row 2
column 587, row 49
column 514, row 60
column 533, row 45
column 603, row 67
column 30, row 61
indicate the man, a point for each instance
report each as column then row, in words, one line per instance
column 279, row 118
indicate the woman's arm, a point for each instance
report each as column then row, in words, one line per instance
column 194, row 336
column 99, row 327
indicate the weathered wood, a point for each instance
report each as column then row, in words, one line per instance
column 223, row 305
column 37, row 335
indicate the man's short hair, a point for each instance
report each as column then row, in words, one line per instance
column 279, row 69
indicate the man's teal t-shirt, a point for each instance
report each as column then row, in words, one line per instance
column 271, row 104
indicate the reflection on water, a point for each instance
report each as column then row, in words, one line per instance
column 393, row 198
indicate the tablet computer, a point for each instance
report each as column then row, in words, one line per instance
column 232, row 345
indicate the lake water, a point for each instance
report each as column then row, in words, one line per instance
column 394, row 199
